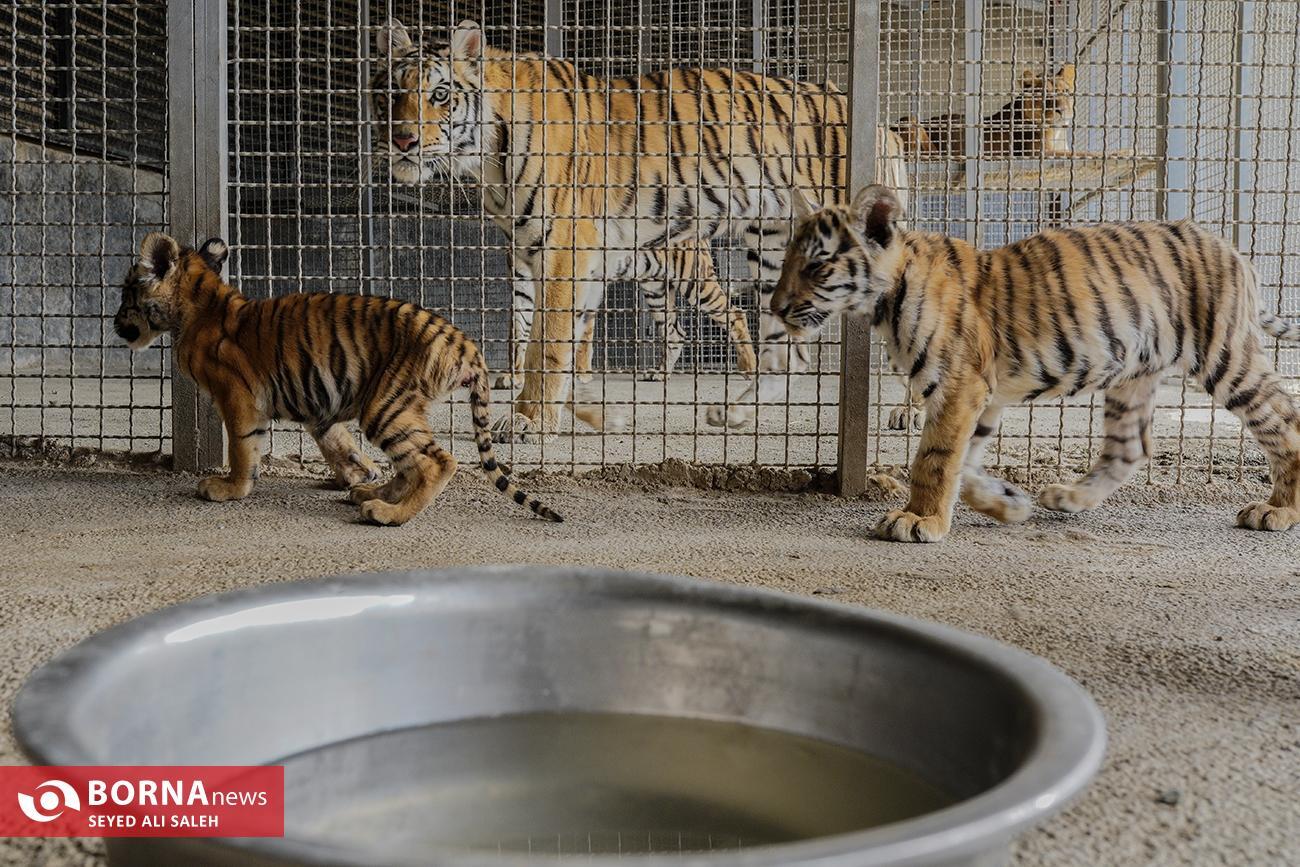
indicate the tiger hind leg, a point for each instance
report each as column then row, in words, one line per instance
column 422, row 468
column 660, row 300
column 1257, row 397
column 391, row 491
column 707, row 294
column 1125, row 448
column 351, row 468
column 983, row 492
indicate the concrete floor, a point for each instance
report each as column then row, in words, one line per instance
column 1186, row 630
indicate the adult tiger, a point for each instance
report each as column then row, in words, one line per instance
column 583, row 173
column 1106, row 308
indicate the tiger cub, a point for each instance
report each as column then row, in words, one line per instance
column 1067, row 311
column 321, row 360
column 1035, row 122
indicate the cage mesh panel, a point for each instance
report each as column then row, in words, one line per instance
column 82, row 170
column 311, row 210
column 1209, row 135
column 1219, row 150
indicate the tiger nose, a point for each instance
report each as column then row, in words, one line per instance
column 404, row 141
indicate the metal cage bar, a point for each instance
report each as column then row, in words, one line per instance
column 196, row 79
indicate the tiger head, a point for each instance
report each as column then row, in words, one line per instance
column 149, row 292
column 428, row 104
column 1046, row 103
column 839, row 259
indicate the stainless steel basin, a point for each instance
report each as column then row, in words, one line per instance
column 380, row 690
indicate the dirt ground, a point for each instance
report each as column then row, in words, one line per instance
column 1186, row 630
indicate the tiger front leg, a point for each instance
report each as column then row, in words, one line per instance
column 548, row 368
column 582, row 364
column 246, row 432
column 936, row 473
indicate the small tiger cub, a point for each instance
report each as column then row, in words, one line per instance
column 1067, row 311
column 319, row 359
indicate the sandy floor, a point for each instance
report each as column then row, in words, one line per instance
column 1186, row 630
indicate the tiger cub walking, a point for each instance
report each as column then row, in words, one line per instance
column 321, row 360
column 1067, row 311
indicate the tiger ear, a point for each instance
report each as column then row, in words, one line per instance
column 214, row 252
column 877, row 208
column 801, row 205
column 1065, row 78
column 1029, row 79
column 467, row 41
column 393, row 40
column 159, row 253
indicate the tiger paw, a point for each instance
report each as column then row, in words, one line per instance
column 584, row 376
column 1265, row 516
column 654, row 376
column 1066, row 498
column 505, row 380
column 362, row 494
column 356, row 469
column 905, row 417
column 382, row 513
column 518, row 428
column 732, row 416
column 219, row 489
column 1000, row 500
column 901, row 525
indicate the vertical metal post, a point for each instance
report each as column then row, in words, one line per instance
column 758, row 21
column 1245, row 118
column 855, row 333
column 198, row 165
column 974, row 109
column 1171, row 111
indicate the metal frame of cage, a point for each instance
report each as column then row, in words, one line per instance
column 1183, row 100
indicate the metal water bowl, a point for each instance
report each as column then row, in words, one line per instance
column 518, row 715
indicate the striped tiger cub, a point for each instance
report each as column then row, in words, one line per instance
column 319, row 359
column 582, row 173
column 1067, row 311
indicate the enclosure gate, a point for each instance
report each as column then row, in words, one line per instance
column 266, row 137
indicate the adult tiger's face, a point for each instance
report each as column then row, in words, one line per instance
column 839, row 260
column 428, row 104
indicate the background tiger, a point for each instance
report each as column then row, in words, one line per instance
column 1034, row 122
column 583, row 172
column 319, row 359
column 1067, row 311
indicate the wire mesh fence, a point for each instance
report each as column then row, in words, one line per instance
column 1161, row 109
column 314, row 206
column 83, row 150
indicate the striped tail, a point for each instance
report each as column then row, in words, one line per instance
column 1280, row 328
column 480, row 400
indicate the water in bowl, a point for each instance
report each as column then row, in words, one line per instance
column 580, row 784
